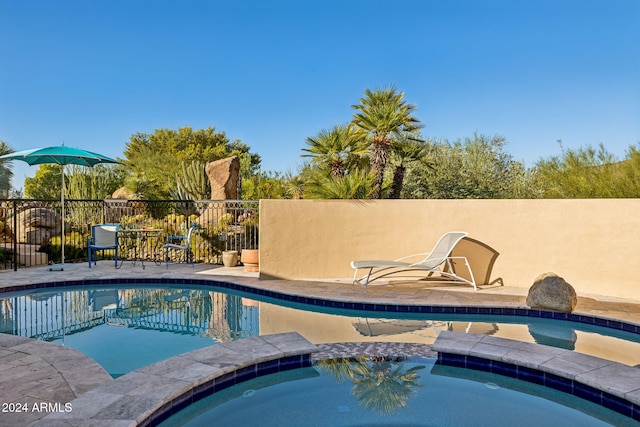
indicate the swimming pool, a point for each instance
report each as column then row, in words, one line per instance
column 391, row 391
column 126, row 327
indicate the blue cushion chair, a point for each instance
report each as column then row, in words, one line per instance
column 103, row 237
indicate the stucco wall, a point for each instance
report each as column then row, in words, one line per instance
column 594, row 244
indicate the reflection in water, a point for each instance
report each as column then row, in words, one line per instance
column 209, row 317
column 53, row 315
column 381, row 384
column 381, row 327
column 546, row 335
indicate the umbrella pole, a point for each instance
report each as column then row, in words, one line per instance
column 62, row 231
column 61, row 266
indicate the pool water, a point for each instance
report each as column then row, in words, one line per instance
column 391, row 392
column 120, row 349
column 125, row 328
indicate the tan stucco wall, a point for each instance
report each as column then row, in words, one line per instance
column 594, row 244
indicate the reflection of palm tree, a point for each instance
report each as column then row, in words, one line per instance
column 385, row 386
column 341, row 369
column 381, row 384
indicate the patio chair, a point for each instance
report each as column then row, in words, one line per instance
column 180, row 243
column 103, row 237
column 439, row 261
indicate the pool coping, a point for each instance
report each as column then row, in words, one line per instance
column 610, row 384
column 40, row 377
column 277, row 291
column 414, row 307
column 149, row 395
column 152, row 394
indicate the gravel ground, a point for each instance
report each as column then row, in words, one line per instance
column 372, row 349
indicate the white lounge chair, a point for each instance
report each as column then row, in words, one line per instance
column 439, row 261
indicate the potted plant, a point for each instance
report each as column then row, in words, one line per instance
column 250, row 255
column 251, row 260
column 230, row 258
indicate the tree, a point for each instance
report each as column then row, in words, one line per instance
column 381, row 113
column 293, row 186
column 263, row 185
column 355, row 185
column 5, row 170
column 473, row 168
column 155, row 159
column 590, row 173
column 45, row 184
column 630, row 173
column 336, row 148
column 94, row 183
column 409, row 147
column 81, row 182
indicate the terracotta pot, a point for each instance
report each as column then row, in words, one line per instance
column 230, row 258
column 251, row 260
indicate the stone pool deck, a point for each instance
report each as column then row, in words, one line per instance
column 30, row 375
column 609, row 384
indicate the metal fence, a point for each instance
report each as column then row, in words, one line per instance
column 31, row 229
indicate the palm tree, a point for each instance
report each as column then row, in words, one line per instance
column 408, row 147
column 336, row 148
column 5, row 170
column 293, row 186
column 354, row 185
column 381, row 113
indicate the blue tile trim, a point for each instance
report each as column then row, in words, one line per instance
column 347, row 305
column 225, row 381
column 556, row 382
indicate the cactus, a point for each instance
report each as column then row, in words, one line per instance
column 192, row 183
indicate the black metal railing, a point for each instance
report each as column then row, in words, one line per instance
column 30, row 230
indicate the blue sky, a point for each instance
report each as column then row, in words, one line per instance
column 271, row 73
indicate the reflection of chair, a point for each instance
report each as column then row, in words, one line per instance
column 103, row 237
column 439, row 260
column 180, row 243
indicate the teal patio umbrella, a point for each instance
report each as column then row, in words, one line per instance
column 60, row 155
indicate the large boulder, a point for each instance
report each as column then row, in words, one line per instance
column 551, row 292
column 123, row 193
column 224, row 176
column 37, row 225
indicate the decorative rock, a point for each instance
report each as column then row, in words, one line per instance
column 37, row 225
column 224, row 177
column 123, row 193
column 552, row 292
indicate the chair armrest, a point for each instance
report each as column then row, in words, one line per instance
column 423, row 254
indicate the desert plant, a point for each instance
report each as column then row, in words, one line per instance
column 192, row 183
